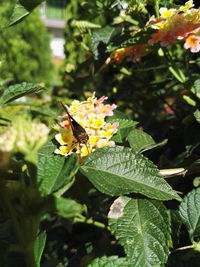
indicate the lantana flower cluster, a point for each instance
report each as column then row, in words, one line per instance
column 177, row 24
column 90, row 114
column 173, row 25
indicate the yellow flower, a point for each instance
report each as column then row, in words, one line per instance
column 187, row 6
column 64, row 150
column 166, row 13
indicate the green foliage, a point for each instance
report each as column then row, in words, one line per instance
column 125, row 126
column 25, row 51
column 54, row 172
column 67, row 208
column 190, row 213
column 111, row 261
column 101, row 38
column 127, row 172
column 120, row 205
column 22, row 8
column 18, row 90
column 39, row 247
column 144, row 238
column 197, row 115
column 140, row 141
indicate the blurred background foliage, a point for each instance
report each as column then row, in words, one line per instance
column 25, row 53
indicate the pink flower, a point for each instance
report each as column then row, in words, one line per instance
column 193, row 43
column 105, row 142
column 106, row 110
column 101, row 100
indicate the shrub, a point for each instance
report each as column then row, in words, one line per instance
column 24, row 48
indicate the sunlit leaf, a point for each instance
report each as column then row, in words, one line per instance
column 67, row 207
column 197, row 86
column 118, row 170
column 22, row 9
column 124, row 128
column 39, row 247
column 55, row 172
column 112, row 261
column 189, row 211
column 142, row 227
column 18, row 90
column 141, row 141
column 197, row 115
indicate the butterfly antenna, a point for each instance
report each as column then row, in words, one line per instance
column 66, row 110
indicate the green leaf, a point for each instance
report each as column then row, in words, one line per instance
column 189, row 211
column 22, row 9
column 117, row 115
column 124, row 128
column 197, row 115
column 176, row 224
column 196, row 181
column 112, row 261
column 67, row 207
column 84, row 24
column 118, row 170
column 48, row 148
column 125, row 125
column 46, row 112
column 39, row 247
column 55, row 172
column 102, row 37
column 197, row 86
column 18, row 90
column 142, row 227
column 189, row 100
column 141, row 141
column 124, row 40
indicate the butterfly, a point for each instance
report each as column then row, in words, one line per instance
column 78, row 131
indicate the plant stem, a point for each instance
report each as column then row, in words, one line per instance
column 156, row 8
column 81, row 218
column 173, row 68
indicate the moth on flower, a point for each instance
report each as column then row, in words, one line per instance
column 78, row 131
column 84, row 128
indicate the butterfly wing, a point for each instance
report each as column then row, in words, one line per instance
column 78, row 131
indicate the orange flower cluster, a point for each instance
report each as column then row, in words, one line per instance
column 135, row 52
column 172, row 25
column 177, row 24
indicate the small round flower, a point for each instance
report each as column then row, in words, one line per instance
column 25, row 136
column 105, row 142
column 166, row 13
column 64, row 150
column 7, row 140
column 193, row 43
